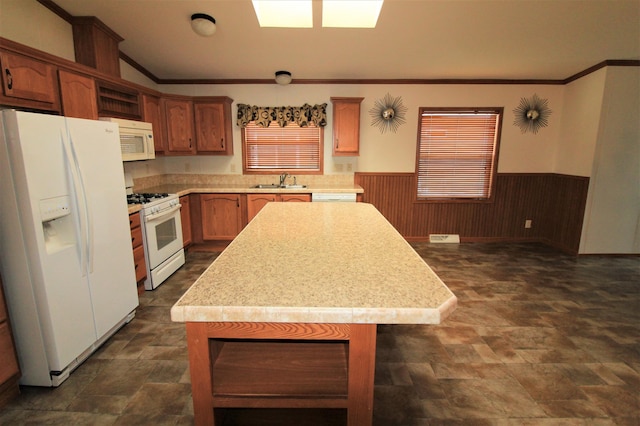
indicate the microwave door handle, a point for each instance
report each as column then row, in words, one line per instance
column 151, row 148
column 160, row 215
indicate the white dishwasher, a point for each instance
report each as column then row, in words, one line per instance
column 323, row 197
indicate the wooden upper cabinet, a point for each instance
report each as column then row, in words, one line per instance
column 178, row 116
column 115, row 100
column 28, row 82
column 96, row 45
column 213, row 126
column 152, row 113
column 78, row 95
column 346, row 126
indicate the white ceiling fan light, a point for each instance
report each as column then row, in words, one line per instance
column 283, row 77
column 203, row 24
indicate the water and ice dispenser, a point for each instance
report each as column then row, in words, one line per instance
column 57, row 223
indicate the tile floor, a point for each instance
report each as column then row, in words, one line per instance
column 539, row 338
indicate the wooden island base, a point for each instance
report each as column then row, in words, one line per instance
column 265, row 366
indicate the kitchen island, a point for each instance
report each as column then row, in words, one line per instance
column 286, row 316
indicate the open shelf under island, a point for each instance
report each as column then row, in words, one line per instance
column 286, row 316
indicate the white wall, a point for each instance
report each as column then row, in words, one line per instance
column 389, row 152
column 593, row 129
column 612, row 216
column 30, row 23
column 579, row 128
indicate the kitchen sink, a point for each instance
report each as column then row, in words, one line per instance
column 267, row 185
column 274, row 186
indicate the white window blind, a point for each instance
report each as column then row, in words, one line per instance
column 278, row 149
column 457, row 154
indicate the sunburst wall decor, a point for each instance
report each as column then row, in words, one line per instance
column 388, row 113
column 532, row 114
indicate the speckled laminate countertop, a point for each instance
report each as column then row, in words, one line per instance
column 202, row 188
column 318, row 263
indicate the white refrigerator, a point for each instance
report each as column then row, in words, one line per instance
column 65, row 243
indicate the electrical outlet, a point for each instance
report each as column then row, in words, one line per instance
column 528, row 223
column 349, row 167
column 338, row 167
column 232, row 168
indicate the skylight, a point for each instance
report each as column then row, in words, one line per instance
column 335, row 13
column 284, row 13
column 351, row 13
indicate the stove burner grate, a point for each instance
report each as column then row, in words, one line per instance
column 145, row 197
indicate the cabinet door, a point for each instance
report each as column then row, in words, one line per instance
column 346, row 126
column 9, row 366
column 211, row 129
column 185, row 217
column 255, row 203
column 221, row 216
column 302, row 198
column 78, row 94
column 152, row 113
column 179, row 118
column 28, row 82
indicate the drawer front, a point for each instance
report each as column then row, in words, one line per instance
column 136, row 237
column 140, row 264
column 134, row 220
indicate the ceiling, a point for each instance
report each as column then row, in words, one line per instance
column 414, row 39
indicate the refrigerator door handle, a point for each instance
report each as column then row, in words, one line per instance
column 86, row 206
column 78, row 194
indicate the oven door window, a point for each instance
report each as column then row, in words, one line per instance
column 166, row 233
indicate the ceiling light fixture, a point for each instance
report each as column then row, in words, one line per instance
column 203, row 24
column 283, row 77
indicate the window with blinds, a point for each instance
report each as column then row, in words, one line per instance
column 276, row 149
column 457, row 153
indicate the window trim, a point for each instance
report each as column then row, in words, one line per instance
column 496, row 154
column 247, row 171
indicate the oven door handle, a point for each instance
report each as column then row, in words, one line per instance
column 160, row 215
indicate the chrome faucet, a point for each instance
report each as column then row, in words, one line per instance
column 283, row 177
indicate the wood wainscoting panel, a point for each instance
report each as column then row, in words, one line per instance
column 554, row 203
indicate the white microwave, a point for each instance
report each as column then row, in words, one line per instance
column 136, row 139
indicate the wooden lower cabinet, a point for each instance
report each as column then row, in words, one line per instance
column 185, row 218
column 9, row 367
column 255, row 202
column 138, row 250
column 241, row 370
column 221, row 216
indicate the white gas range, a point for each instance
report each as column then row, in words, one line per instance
column 162, row 235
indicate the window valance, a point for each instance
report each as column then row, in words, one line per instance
column 302, row 116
